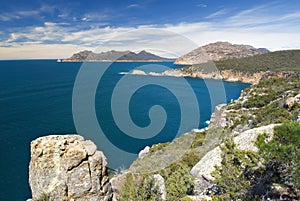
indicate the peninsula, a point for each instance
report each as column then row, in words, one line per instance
column 115, row 56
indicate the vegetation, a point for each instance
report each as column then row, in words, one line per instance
column 244, row 175
column 234, row 174
column 284, row 151
column 287, row 60
column 264, row 103
column 44, row 197
column 179, row 184
column 136, row 188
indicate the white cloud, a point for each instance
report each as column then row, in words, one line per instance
column 18, row 15
column 201, row 5
column 133, row 6
column 254, row 26
column 217, row 14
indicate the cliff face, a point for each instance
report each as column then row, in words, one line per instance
column 218, row 51
column 67, row 167
column 227, row 75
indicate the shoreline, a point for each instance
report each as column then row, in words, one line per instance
column 225, row 75
column 82, row 61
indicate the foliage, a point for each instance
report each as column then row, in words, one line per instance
column 284, row 148
column 159, row 146
column 247, row 175
column 234, row 174
column 44, row 197
column 190, row 159
column 178, row 183
column 287, row 60
column 199, row 139
column 139, row 189
column 186, row 199
column 264, row 103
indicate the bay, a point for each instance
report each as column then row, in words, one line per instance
column 36, row 100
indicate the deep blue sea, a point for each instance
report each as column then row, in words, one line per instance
column 36, row 100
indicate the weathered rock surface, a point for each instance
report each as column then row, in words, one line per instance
column 218, row 51
column 292, row 102
column 67, row 167
column 160, row 183
column 143, row 152
column 244, row 141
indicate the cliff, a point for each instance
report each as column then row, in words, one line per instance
column 218, row 51
column 115, row 56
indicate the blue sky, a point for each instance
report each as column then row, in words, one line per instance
column 57, row 29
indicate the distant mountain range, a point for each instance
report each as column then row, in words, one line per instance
column 113, row 55
column 219, row 51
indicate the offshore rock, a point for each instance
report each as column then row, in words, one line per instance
column 67, row 167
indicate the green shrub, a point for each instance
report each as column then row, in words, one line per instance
column 284, row 148
column 190, row 159
column 44, row 197
column 198, row 140
column 179, row 184
column 233, row 176
column 137, row 188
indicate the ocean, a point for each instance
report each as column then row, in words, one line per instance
column 42, row 97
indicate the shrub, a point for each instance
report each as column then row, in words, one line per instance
column 234, row 174
column 137, row 188
column 284, row 149
column 179, row 184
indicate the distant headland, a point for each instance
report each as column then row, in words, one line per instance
column 115, row 56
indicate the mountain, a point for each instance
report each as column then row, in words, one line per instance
column 219, row 51
column 113, row 55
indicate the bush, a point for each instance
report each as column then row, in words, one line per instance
column 179, row 184
column 284, row 149
column 136, row 188
column 234, row 174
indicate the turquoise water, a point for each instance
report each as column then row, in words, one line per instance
column 36, row 100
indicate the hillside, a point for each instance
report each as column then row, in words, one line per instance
column 249, row 69
column 218, row 51
column 115, row 56
column 286, row 60
column 232, row 159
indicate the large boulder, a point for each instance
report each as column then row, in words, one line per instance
column 67, row 167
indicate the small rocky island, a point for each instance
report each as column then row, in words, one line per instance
column 114, row 56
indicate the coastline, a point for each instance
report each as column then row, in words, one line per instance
column 81, row 61
column 226, row 75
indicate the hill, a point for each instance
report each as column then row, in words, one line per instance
column 113, row 55
column 286, row 60
column 219, row 51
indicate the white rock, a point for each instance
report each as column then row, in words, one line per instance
column 143, row 152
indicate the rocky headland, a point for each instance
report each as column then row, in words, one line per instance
column 218, row 51
column 115, row 56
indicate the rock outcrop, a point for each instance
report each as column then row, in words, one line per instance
column 67, row 167
column 244, row 141
column 227, row 75
column 218, row 51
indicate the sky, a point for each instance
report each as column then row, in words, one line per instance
column 57, row 29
